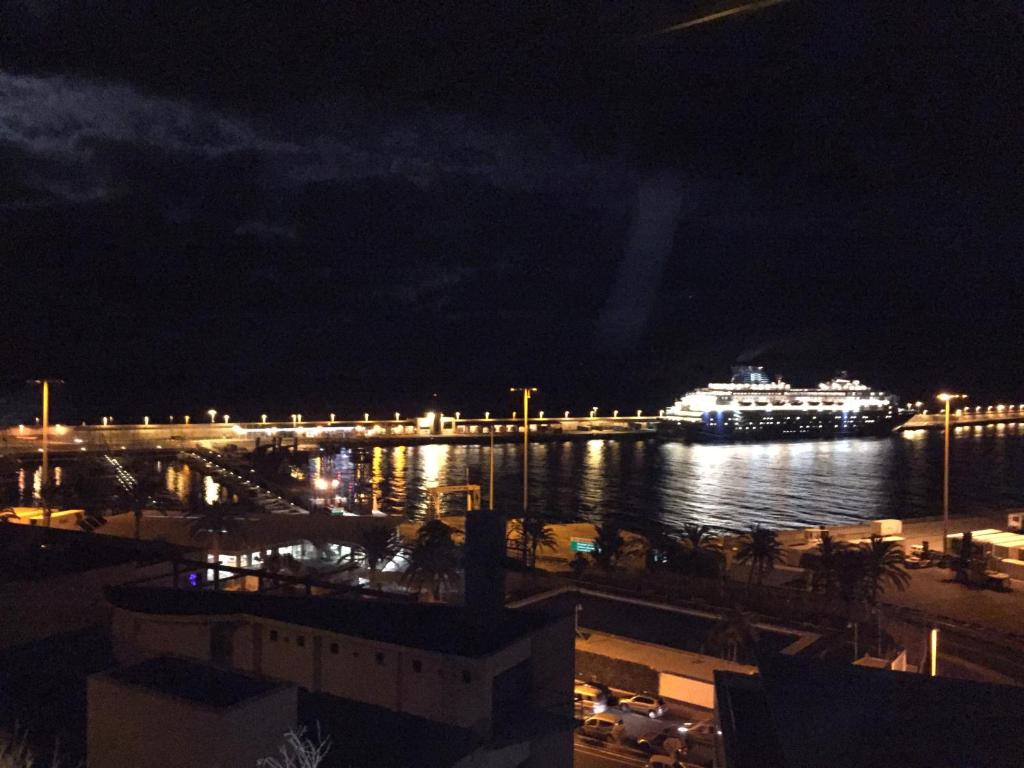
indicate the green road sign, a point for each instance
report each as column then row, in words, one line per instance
column 581, row 545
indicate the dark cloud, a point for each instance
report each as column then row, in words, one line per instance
column 339, row 203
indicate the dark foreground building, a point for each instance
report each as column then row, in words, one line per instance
column 802, row 713
column 408, row 683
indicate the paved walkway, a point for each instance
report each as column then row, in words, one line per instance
column 933, row 591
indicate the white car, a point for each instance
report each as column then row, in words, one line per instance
column 600, row 726
column 590, row 699
column 645, row 704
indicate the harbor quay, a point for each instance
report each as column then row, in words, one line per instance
column 427, row 429
column 430, row 428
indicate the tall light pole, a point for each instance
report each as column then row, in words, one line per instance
column 45, row 472
column 527, row 391
column 490, row 479
column 946, row 398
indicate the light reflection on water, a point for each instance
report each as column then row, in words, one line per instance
column 726, row 486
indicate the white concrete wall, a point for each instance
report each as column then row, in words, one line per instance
column 138, row 635
column 355, row 673
column 284, row 658
column 436, row 691
column 686, row 689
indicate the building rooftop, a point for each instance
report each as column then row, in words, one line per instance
column 364, row 735
column 659, row 657
column 432, row 627
column 194, row 682
column 811, row 713
column 367, row 736
column 35, row 552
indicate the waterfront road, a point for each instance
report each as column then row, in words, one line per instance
column 596, row 753
column 588, row 753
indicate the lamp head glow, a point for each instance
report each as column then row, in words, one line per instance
column 947, row 396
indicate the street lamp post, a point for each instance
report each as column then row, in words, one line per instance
column 946, row 398
column 212, row 413
column 490, row 478
column 46, row 435
column 527, row 392
column 45, row 469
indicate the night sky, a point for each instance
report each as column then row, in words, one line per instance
column 329, row 207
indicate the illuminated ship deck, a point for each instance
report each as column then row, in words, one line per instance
column 753, row 407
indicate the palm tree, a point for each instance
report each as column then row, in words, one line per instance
column 89, row 484
column 578, row 565
column 609, row 544
column 761, row 550
column 664, row 550
column 51, row 497
column 700, row 537
column 379, row 545
column 732, row 637
column 849, row 573
column 215, row 522
column 883, row 565
column 146, row 488
column 703, row 550
column 8, row 482
column 536, row 534
column 825, row 568
column 433, row 559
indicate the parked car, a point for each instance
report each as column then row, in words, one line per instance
column 610, row 697
column 600, row 726
column 653, row 742
column 700, row 742
column 645, row 704
column 589, row 698
column 663, row 761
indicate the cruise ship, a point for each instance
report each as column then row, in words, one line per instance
column 753, row 407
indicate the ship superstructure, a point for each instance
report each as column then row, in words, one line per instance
column 754, row 407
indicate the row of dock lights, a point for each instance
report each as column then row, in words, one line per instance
column 296, row 418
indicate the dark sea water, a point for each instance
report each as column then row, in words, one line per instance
column 726, row 486
column 781, row 485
